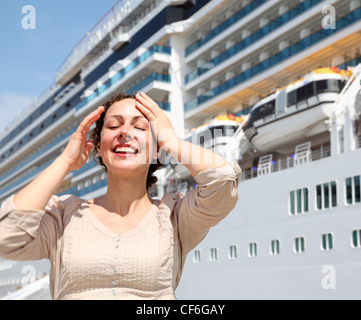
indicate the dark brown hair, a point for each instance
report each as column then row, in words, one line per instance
column 95, row 137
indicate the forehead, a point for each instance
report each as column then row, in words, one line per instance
column 125, row 108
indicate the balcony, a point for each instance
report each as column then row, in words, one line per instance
column 307, row 42
column 253, row 38
column 48, row 148
column 224, row 26
column 116, row 79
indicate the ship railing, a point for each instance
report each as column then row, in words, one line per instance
column 110, row 24
column 29, row 290
column 37, row 101
column 287, row 163
column 95, row 35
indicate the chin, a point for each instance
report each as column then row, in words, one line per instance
column 128, row 166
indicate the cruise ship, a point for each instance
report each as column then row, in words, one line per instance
column 271, row 84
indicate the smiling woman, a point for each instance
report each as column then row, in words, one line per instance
column 124, row 245
column 113, row 123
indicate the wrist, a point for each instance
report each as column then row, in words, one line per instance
column 63, row 165
column 171, row 144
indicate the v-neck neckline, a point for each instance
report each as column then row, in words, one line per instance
column 103, row 228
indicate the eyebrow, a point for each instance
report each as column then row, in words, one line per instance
column 134, row 119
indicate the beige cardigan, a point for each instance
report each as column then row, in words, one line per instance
column 88, row 261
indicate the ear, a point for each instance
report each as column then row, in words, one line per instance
column 159, row 154
column 98, row 151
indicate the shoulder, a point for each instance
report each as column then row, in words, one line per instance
column 60, row 205
column 168, row 205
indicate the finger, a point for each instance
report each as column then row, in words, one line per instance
column 145, row 111
column 146, row 97
column 94, row 116
column 88, row 147
column 148, row 102
column 90, row 119
column 142, row 100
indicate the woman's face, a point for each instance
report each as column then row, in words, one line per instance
column 126, row 142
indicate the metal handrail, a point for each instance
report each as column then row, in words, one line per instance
column 288, row 162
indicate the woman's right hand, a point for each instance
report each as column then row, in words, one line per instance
column 78, row 149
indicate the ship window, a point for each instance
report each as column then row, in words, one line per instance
column 201, row 141
column 291, row 98
column 197, row 256
column 330, row 85
column 356, row 238
column 353, row 191
column 232, row 252
column 213, row 255
column 223, row 131
column 264, row 110
column 321, row 86
column 309, row 91
column 299, row 245
column 327, row 242
column 301, row 94
column 305, row 91
column 252, row 250
column 275, row 247
column 298, row 201
column 333, row 85
column 326, row 195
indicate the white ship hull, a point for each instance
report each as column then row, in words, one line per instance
column 262, row 215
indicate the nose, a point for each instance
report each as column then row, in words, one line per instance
column 124, row 134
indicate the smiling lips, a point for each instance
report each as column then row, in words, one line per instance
column 125, row 150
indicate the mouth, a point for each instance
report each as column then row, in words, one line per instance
column 125, row 150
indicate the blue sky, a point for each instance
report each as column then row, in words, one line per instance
column 29, row 59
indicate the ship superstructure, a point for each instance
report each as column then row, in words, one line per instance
column 216, row 67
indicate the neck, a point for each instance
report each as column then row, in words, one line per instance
column 126, row 195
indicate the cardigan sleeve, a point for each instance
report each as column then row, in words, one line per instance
column 204, row 207
column 29, row 234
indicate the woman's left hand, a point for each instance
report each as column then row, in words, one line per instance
column 195, row 158
column 159, row 121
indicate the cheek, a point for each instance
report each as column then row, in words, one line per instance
column 104, row 142
column 152, row 144
column 153, row 147
column 142, row 140
column 147, row 143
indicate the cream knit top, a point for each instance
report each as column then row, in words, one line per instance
column 88, row 261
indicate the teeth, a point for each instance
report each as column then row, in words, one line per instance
column 124, row 149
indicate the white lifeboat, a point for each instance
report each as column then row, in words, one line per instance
column 295, row 112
